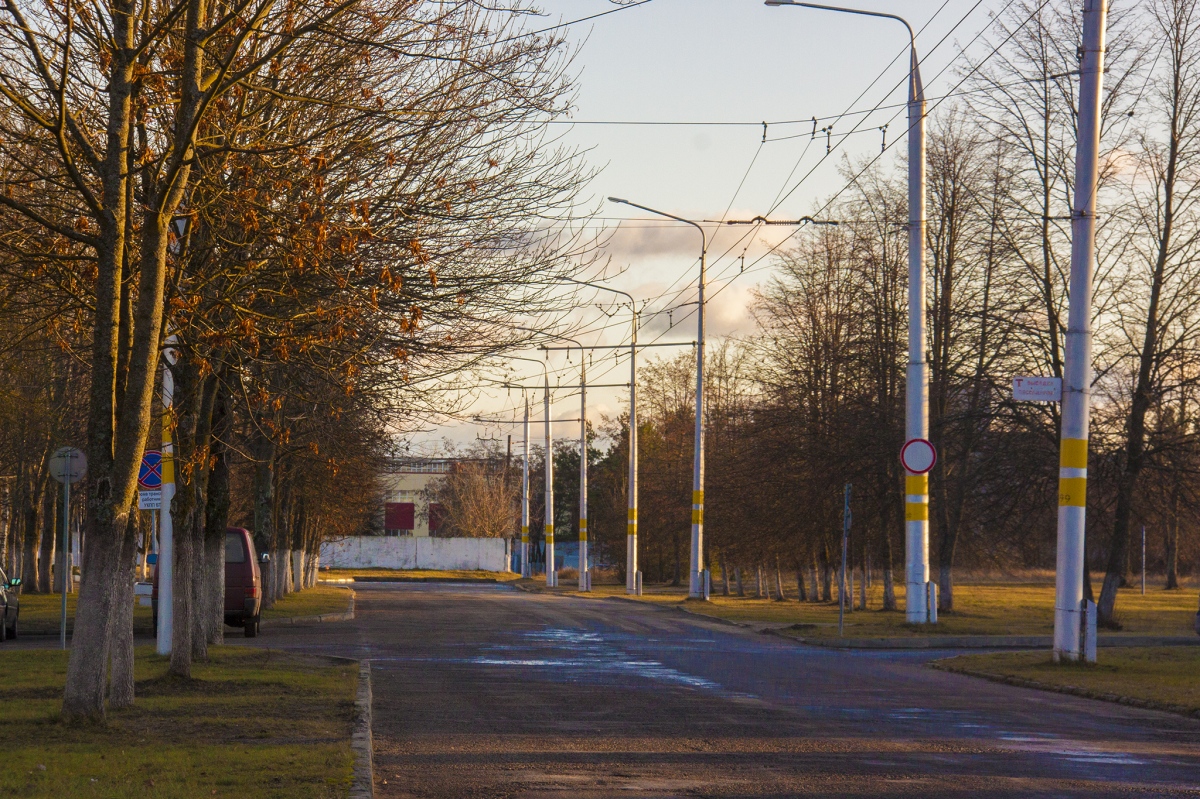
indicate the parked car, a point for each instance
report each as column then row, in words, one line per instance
column 11, row 602
column 243, row 582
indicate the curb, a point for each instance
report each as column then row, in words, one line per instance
column 1021, row 682
column 361, row 742
column 286, row 620
column 987, row 642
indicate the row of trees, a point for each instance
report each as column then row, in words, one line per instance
column 314, row 215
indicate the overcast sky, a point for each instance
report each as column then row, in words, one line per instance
column 728, row 61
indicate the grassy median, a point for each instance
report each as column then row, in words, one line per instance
column 251, row 723
column 41, row 613
column 1164, row 676
column 316, row 601
column 991, row 608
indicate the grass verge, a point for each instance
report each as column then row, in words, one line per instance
column 1161, row 677
column 41, row 613
column 462, row 575
column 250, row 722
column 980, row 609
column 315, row 601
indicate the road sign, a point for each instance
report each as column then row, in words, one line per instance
column 1037, row 389
column 150, row 473
column 918, row 456
column 150, row 500
column 68, row 465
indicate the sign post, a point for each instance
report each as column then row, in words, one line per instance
column 67, row 465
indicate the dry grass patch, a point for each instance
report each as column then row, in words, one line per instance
column 1164, row 676
column 316, row 601
column 251, row 723
column 1008, row 608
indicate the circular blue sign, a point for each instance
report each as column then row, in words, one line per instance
column 150, row 473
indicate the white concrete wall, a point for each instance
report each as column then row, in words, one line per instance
column 394, row 552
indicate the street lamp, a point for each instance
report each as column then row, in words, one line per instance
column 631, row 548
column 916, row 508
column 526, row 570
column 696, row 582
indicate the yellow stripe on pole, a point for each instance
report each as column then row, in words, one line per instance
column 631, row 530
column 1074, row 453
column 916, row 512
column 916, row 484
column 168, row 457
column 697, row 516
column 1072, row 491
column 633, row 514
column 583, row 536
column 697, row 497
column 583, row 525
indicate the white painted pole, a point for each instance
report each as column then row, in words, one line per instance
column 696, row 581
column 631, row 528
column 1143, row 560
column 525, row 572
column 64, row 558
column 584, row 583
column 551, row 576
column 166, row 544
column 917, row 387
column 1077, row 377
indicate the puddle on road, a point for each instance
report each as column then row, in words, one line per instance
column 592, row 657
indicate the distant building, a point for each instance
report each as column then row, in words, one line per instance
column 405, row 507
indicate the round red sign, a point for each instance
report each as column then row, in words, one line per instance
column 918, row 456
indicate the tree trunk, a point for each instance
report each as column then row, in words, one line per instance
column 826, row 576
column 264, row 508
column 121, row 682
column 814, row 595
column 779, row 582
column 737, row 573
column 758, row 581
column 801, row 594
column 945, row 587
column 30, row 538
column 46, row 550
column 216, row 516
column 862, row 591
column 1171, row 548
column 889, row 584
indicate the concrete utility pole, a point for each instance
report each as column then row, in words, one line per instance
column 166, row 540
column 1077, row 375
column 585, row 582
column 916, row 419
column 696, row 581
column 525, row 497
column 631, row 549
column 551, row 572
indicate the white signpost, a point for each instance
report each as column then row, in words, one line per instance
column 67, row 465
column 1037, row 389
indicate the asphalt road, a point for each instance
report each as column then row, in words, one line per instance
column 485, row 691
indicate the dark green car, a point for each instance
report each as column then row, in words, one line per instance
column 11, row 603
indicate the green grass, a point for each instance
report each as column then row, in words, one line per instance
column 421, row 574
column 1009, row 608
column 315, row 601
column 1167, row 676
column 41, row 613
column 251, row 723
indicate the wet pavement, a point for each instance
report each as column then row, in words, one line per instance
column 486, row 691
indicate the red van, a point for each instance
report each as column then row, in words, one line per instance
column 243, row 582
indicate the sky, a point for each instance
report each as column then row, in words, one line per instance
column 718, row 61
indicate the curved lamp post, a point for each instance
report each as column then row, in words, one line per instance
column 916, row 507
column 696, row 586
column 631, row 549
